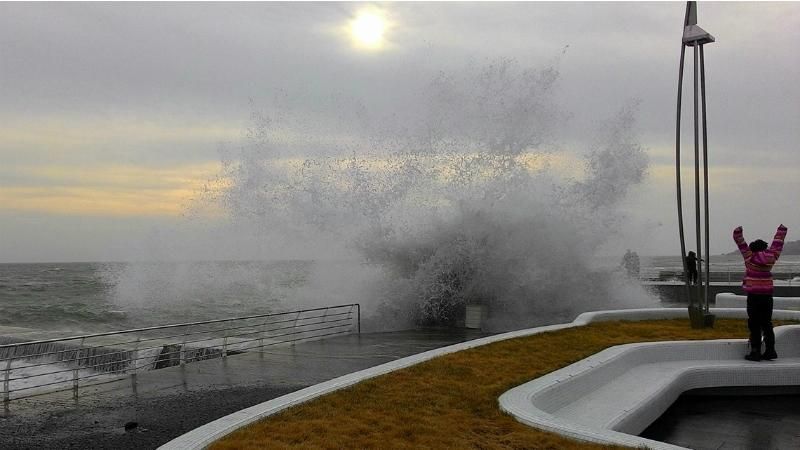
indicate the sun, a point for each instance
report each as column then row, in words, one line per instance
column 367, row 29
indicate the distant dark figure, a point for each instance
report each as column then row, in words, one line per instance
column 758, row 262
column 691, row 267
column 631, row 263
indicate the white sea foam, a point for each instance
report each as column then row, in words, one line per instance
column 31, row 377
column 471, row 199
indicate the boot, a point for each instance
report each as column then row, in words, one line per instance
column 754, row 355
column 769, row 343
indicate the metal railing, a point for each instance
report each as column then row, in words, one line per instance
column 51, row 365
column 722, row 274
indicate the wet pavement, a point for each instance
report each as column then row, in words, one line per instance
column 169, row 402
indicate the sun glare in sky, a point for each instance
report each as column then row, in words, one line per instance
column 368, row 28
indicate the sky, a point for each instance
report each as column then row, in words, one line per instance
column 112, row 114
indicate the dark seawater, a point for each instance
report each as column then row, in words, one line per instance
column 94, row 297
column 89, row 297
column 56, row 296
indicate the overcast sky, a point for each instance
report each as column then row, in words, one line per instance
column 111, row 115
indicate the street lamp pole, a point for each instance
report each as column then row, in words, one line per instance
column 696, row 37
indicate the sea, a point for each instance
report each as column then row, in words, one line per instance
column 107, row 296
column 95, row 297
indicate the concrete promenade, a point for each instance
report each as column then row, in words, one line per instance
column 170, row 402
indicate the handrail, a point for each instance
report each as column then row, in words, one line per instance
column 112, row 345
column 108, row 362
column 174, row 325
column 121, row 351
column 160, row 354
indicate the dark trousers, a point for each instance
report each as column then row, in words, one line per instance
column 759, row 320
column 693, row 276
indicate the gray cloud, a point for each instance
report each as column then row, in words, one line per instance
column 189, row 65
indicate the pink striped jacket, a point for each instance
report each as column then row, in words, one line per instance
column 758, row 265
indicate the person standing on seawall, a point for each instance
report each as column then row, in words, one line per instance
column 758, row 262
column 631, row 263
column 691, row 266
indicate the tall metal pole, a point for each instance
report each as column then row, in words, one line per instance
column 678, row 167
column 696, row 37
column 705, row 171
column 698, row 236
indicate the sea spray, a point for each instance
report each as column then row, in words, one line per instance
column 162, row 292
column 464, row 201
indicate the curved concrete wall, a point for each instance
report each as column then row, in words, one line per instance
column 614, row 395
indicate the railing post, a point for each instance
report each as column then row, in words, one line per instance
column 325, row 316
column 77, row 367
column 133, row 362
column 261, row 340
column 358, row 310
column 6, row 376
column 183, row 346
column 225, row 344
column 75, row 384
column 294, row 324
column 80, row 352
column 133, row 384
column 135, row 354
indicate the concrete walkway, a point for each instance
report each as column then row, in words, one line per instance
column 199, row 438
column 170, row 402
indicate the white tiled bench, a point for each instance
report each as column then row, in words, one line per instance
column 614, row 395
column 730, row 300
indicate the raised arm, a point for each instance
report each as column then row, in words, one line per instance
column 738, row 237
column 777, row 242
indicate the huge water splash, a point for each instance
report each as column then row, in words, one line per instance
column 468, row 198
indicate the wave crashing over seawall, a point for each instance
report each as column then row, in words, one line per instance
column 462, row 195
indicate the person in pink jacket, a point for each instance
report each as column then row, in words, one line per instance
column 757, row 283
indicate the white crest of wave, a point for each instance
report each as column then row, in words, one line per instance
column 460, row 202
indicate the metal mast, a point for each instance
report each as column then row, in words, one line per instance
column 696, row 37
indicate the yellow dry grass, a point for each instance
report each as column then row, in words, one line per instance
column 451, row 401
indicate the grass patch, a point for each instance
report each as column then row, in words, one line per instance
column 451, row 401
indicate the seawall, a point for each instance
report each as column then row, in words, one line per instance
column 670, row 292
